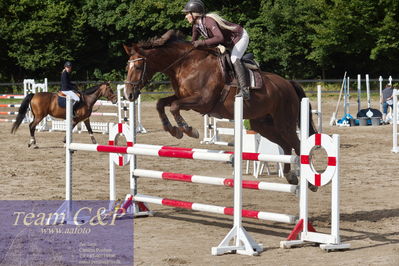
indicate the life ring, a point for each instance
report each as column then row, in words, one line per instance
column 307, row 170
column 114, row 132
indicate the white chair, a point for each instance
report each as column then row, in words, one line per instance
column 268, row 147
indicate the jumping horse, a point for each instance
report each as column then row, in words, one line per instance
column 46, row 103
column 198, row 82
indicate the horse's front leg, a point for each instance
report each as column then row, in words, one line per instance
column 89, row 130
column 167, row 126
column 185, row 104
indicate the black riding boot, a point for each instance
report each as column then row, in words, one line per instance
column 242, row 78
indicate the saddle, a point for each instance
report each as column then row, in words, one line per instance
column 253, row 68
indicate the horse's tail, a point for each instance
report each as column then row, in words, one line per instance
column 22, row 112
column 301, row 94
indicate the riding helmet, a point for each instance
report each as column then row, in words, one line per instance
column 194, row 6
column 68, row 64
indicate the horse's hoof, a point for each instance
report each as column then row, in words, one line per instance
column 93, row 140
column 313, row 188
column 192, row 132
column 35, row 146
column 176, row 132
column 291, row 178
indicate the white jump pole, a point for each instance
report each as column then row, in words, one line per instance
column 319, row 110
column 380, row 79
column 243, row 242
column 395, row 95
column 359, row 88
column 368, row 90
column 68, row 159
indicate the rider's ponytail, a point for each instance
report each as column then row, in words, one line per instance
column 221, row 21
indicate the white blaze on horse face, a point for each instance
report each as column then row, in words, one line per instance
column 131, row 64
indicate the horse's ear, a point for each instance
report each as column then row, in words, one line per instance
column 128, row 50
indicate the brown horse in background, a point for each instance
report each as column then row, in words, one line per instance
column 198, row 81
column 46, row 103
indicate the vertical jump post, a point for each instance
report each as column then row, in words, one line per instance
column 243, row 242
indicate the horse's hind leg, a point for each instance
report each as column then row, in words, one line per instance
column 32, row 129
column 167, row 126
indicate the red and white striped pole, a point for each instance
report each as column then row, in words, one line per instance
column 219, row 181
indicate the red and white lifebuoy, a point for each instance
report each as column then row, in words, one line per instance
column 307, row 169
column 114, row 132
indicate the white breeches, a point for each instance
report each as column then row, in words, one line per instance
column 240, row 47
column 72, row 95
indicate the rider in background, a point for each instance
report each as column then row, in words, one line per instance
column 217, row 31
column 67, row 87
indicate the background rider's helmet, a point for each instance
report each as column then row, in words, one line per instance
column 194, row 6
column 68, row 64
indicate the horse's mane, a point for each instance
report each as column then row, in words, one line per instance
column 169, row 37
column 92, row 89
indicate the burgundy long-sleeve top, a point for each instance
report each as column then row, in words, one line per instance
column 214, row 34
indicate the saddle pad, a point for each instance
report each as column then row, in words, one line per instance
column 61, row 102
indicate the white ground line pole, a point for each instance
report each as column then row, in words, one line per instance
column 395, row 121
column 380, row 79
column 244, row 244
column 359, row 88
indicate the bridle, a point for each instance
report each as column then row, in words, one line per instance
column 143, row 81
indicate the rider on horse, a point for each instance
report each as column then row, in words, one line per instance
column 67, row 87
column 217, row 31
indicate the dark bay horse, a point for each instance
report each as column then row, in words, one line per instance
column 46, row 103
column 198, row 81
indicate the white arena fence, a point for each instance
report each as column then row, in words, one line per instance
column 30, row 86
column 238, row 239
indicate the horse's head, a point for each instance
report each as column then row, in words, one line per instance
column 107, row 92
column 137, row 72
column 141, row 65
